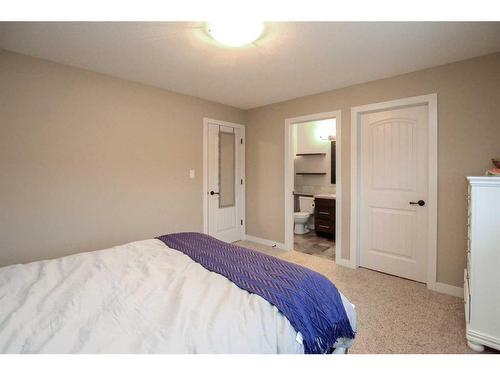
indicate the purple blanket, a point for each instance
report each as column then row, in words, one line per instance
column 309, row 300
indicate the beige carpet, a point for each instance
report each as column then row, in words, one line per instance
column 394, row 315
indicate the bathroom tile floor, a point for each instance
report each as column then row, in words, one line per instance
column 312, row 244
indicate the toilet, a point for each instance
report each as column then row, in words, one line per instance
column 300, row 219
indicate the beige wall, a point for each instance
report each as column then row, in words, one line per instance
column 469, row 135
column 88, row 161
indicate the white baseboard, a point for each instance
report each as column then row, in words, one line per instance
column 452, row 290
column 263, row 241
column 344, row 263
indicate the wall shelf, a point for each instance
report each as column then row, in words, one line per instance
column 311, row 173
column 312, row 154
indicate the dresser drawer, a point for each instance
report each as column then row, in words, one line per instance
column 325, row 213
column 324, row 226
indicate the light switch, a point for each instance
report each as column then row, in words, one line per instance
column 191, row 173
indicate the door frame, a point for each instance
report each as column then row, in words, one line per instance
column 288, row 180
column 356, row 112
column 241, row 191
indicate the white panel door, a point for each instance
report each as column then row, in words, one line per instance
column 394, row 191
column 225, row 179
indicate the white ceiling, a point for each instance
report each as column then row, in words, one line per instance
column 290, row 60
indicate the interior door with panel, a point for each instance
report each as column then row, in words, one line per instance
column 394, row 191
column 225, row 182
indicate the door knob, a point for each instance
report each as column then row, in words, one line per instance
column 420, row 203
column 213, row 192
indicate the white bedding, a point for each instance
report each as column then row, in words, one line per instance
column 142, row 297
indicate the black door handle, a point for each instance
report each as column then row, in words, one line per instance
column 213, row 192
column 420, row 203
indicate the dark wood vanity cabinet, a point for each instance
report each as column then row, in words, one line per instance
column 324, row 216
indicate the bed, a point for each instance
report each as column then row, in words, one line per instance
column 141, row 297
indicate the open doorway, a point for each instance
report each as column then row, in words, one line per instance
column 312, row 185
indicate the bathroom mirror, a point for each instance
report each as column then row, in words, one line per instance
column 227, row 171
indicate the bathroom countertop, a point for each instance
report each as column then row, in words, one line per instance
column 303, row 194
column 326, row 196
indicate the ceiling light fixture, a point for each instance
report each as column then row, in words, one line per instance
column 235, row 33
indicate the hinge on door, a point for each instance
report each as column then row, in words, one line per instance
column 241, row 221
column 241, row 181
column 241, row 140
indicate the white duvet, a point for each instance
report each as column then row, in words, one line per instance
column 142, row 297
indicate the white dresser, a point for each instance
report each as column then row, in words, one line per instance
column 482, row 275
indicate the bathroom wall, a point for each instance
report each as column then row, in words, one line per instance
column 307, row 139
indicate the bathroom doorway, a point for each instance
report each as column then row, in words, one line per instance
column 312, row 185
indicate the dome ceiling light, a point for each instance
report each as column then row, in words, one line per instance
column 235, row 33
